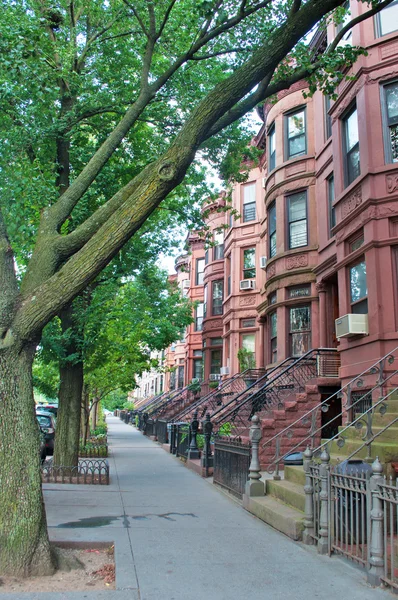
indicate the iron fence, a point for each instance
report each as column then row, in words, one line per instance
column 162, row 431
column 387, row 493
column 231, row 465
column 150, row 427
column 182, row 439
column 87, row 471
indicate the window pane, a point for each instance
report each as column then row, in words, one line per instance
column 298, row 234
column 249, row 212
column 392, row 102
column 328, row 118
column 299, row 291
column 249, row 342
column 353, row 165
column 215, row 361
column 200, row 265
column 272, row 219
column 198, row 369
column 388, row 19
column 358, row 283
column 249, row 258
column 272, row 245
column 301, row 343
column 332, row 212
column 296, row 124
column 300, row 318
column 216, row 341
column 297, row 207
column 297, row 146
column 249, row 193
column 217, row 297
column 351, row 130
column 248, row 323
column 273, row 320
column 272, row 150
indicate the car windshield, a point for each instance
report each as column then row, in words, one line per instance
column 44, row 421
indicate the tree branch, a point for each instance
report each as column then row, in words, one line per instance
column 214, row 54
column 137, row 16
column 8, row 283
column 295, row 6
column 165, row 18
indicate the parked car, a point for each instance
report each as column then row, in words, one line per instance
column 47, row 424
column 43, row 449
column 52, row 408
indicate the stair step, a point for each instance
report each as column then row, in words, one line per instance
column 288, row 492
column 387, row 452
column 295, row 474
column 390, row 435
column 281, row 517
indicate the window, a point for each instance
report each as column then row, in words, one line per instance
column 358, row 288
column 249, row 202
column 328, row 118
column 300, row 330
column 206, row 256
column 351, row 146
column 390, row 121
column 331, row 209
column 272, row 148
column 272, row 298
column 205, row 302
column 172, row 380
column 200, row 267
column 297, row 219
column 299, row 291
column 248, row 323
column 216, row 341
column 386, row 20
column 217, row 298
column 218, row 250
column 347, row 37
column 215, row 361
column 272, row 229
column 249, row 343
column 249, row 264
column 356, row 242
column 273, row 334
column 198, row 364
column 180, row 377
column 296, row 143
column 199, row 317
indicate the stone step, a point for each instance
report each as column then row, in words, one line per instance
column 387, row 452
column 295, row 474
column 281, row 517
column 390, row 435
column 383, row 420
column 288, row 492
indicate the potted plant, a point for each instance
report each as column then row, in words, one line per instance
column 195, row 386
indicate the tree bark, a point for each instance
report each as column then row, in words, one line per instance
column 24, row 545
column 67, row 434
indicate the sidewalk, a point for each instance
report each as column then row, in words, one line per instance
column 177, row 537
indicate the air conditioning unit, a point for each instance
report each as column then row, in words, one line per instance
column 215, row 377
column 247, row 284
column 264, row 181
column 185, row 284
column 263, row 262
column 224, row 371
column 351, row 325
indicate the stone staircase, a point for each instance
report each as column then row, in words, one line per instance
column 282, row 507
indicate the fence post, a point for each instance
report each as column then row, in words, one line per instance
column 207, row 458
column 255, row 487
column 376, row 546
column 308, row 533
column 193, row 451
column 324, row 470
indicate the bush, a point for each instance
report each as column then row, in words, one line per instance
column 101, row 429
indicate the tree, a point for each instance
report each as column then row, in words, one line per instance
column 251, row 47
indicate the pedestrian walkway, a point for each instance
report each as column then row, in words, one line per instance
column 177, row 537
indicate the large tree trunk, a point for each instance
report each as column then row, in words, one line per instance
column 67, row 434
column 24, row 545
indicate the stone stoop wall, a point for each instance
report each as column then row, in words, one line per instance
column 277, row 420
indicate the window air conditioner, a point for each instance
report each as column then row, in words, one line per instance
column 224, row 371
column 263, row 181
column 247, row 284
column 214, row 376
column 263, row 262
column 351, row 325
column 185, row 284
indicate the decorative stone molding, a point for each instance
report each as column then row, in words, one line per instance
column 321, row 287
column 212, row 324
column 271, row 271
column 392, row 182
column 247, row 300
column 352, row 202
column 388, row 50
column 297, row 168
column 296, row 261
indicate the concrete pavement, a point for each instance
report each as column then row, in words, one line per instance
column 177, row 537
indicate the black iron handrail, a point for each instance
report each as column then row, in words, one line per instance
column 252, row 393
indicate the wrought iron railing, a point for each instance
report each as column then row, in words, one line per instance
column 184, row 399
column 284, row 382
column 231, row 465
column 226, row 390
column 374, row 378
column 87, row 471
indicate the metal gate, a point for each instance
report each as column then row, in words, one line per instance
column 231, row 465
